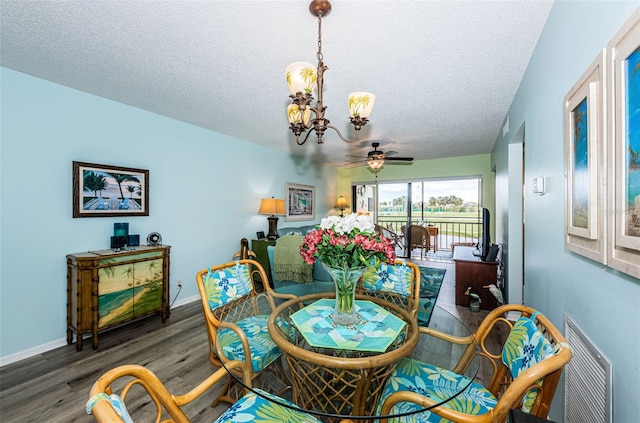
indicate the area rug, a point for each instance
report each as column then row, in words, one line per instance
column 430, row 283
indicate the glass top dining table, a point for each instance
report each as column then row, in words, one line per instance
column 337, row 373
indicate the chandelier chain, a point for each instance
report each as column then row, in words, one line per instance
column 319, row 53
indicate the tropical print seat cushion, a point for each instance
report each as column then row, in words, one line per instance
column 227, row 284
column 263, row 350
column 116, row 402
column 256, row 408
column 224, row 286
column 390, row 278
column 525, row 346
column 437, row 383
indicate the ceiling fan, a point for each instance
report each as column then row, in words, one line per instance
column 376, row 158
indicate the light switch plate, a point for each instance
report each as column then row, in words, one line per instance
column 539, row 185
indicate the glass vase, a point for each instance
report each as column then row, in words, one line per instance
column 346, row 279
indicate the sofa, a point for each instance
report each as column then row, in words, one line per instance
column 322, row 281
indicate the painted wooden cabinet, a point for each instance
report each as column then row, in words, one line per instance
column 107, row 288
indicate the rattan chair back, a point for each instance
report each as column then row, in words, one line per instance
column 225, row 313
column 123, row 380
column 542, row 377
column 409, row 300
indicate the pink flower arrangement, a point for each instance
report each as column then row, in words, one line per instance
column 347, row 242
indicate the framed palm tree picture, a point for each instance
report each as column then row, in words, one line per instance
column 585, row 167
column 106, row 191
column 624, row 245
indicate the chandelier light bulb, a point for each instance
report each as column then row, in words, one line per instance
column 361, row 104
column 293, row 114
column 301, row 77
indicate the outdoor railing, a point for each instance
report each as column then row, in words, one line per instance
column 450, row 231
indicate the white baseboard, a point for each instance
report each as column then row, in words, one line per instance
column 30, row 352
column 21, row 355
column 185, row 301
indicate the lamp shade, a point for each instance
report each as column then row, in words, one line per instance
column 301, row 77
column 293, row 114
column 361, row 104
column 272, row 206
column 341, row 203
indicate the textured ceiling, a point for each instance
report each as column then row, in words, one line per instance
column 444, row 72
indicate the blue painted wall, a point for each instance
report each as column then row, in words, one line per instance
column 205, row 191
column 602, row 301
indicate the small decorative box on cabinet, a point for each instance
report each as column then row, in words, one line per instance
column 107, row 289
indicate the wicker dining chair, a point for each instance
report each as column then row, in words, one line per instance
column 525, row 373
column 389, row 233
column 236, row 328
column 398, row 283
column 420, row 238
column 106, row 406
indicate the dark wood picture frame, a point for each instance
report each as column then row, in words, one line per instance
column 109, row 191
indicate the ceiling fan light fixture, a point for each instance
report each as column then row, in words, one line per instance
column 375, row 164
column 303, row 78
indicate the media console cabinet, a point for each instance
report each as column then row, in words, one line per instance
column 471, row 271
column 106, row 289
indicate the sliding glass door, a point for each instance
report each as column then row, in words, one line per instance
column 449, row 208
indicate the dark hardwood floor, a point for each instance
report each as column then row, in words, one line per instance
column 54, row 386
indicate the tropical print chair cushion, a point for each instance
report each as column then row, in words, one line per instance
column 227, row 284
column 263, row 350
column 524, row 347
column 116, row 403
column 390, row 278
column 255, row 408
column 434, row 382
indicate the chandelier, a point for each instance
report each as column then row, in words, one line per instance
column 303, row 78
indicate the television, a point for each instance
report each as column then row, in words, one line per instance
column 484, row 240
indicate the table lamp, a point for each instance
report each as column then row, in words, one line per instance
column 341, row 203
column 272, row 206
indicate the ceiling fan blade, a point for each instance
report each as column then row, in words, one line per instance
column 390, row 153
column 359, row 157
column 400, row 159
column 354, row 162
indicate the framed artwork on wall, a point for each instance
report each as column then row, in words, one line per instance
column 109, row 191
column 301, row 202
column 624, row 176
column 584, row 149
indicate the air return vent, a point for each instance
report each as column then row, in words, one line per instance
column 587, row 382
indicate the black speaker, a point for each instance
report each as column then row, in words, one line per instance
column 134, row 240
column 493, row 253
column 118, row 242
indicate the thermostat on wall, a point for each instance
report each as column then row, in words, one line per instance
column 538, row 185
